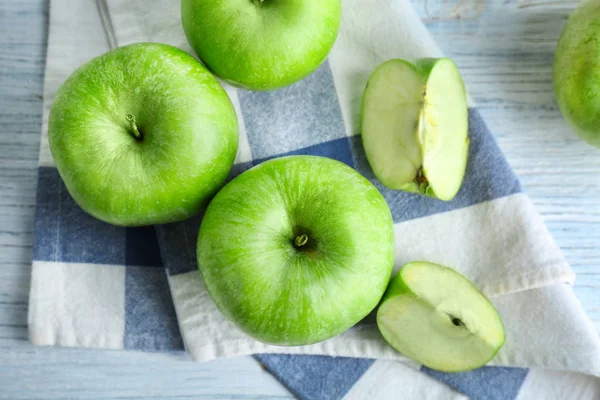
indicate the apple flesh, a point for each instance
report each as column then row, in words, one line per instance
column 576, row 72
column 415, row 126
column 142, row 135
column 437, row 317
column 296, row 250
column 261, row 44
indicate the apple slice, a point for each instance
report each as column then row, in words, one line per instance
column 415, row 124
column 437, row 317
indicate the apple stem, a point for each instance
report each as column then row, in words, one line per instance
column 301, row 240
column 258, row 2
column 134, row 129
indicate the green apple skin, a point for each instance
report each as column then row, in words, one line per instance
column 453, row 326
column 296, row 250
column 167, row 166
column 261, row 44
column 576, row 72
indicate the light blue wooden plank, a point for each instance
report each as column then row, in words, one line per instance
column 38, row 373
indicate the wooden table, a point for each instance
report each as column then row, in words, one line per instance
column 505, row 51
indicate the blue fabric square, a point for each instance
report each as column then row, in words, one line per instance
column 338, row 149
column 316, row 377
column 150, row 319
column 66, row 233
column 488, row 177
column 47, row 237
column 142, row 247
column 487, row 383
column 298, row 116
column 178, row 244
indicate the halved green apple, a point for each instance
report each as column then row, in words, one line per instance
column 437, row 317
column 415, row 126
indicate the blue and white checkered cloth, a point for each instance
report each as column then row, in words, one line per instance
column 102, row 286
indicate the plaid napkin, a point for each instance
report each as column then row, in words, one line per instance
column 97, row 285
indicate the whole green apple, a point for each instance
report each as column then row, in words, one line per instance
column 415, row 126
column 142, row 135
column 576, row 72
column 261, row 44
column 297, row 249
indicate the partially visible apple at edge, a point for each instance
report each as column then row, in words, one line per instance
column 261, row 44
column 576, row 72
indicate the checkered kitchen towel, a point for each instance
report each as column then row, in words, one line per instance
column 96, row 285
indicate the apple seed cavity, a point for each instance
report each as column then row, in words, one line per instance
column 457, row 321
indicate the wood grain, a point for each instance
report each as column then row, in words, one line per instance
column 504, row 50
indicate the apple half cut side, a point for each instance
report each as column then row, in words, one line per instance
column 414, row 124
column 437, row 317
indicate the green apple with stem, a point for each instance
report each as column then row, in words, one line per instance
column 576, row 72
column 261, row 44
column 296, row 250
column 437, row 317
column 414, row 125
column 142, row 135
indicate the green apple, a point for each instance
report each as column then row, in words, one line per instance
column 261, row 44
column 142, row 135
column 415, row 126
column 296, row 250
column 576, row 72
column 437, row 317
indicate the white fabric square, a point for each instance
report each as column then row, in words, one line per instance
column 77, row 305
